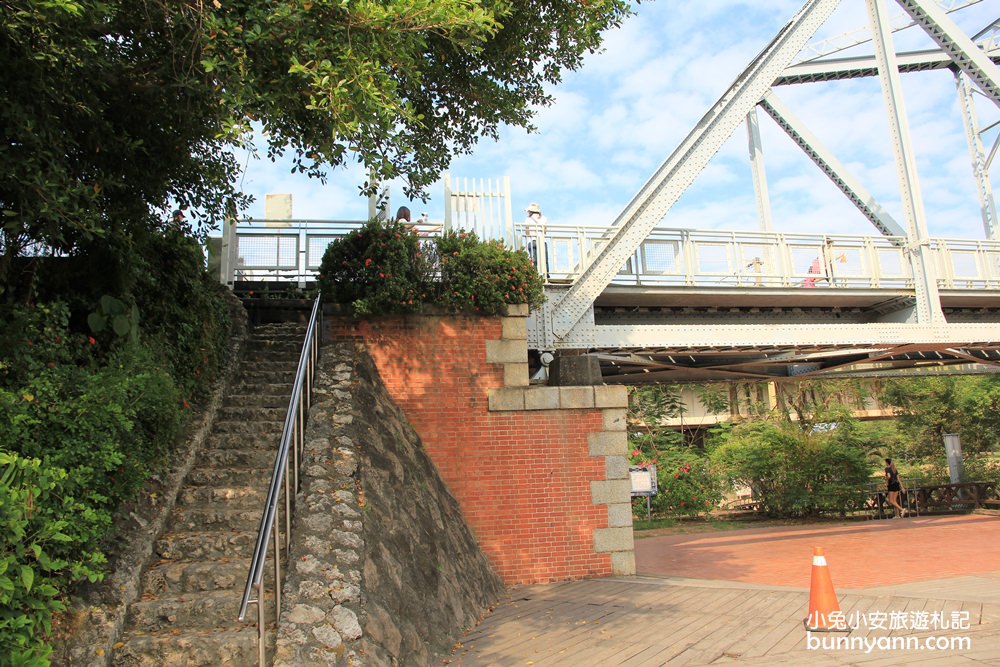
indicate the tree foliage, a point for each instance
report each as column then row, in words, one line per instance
column 932, row 406
column 115, row 110
column 791, row 472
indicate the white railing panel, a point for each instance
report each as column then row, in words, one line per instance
column 661, row 258
column 668, row 258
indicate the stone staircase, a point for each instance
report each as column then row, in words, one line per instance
column 191, row 591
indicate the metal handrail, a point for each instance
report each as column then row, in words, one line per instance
column 292, row 441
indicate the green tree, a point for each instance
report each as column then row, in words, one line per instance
column 929, row 407
column 792, row 472
column 115, row 110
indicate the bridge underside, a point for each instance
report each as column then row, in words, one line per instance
column 655, row 335
column 775, row 363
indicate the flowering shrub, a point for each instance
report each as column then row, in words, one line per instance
column 684, row 484
column 483, row 276
column 380, row 268
column 386, row 268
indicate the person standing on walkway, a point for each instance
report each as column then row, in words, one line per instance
column 894, row 486
column 534, row 229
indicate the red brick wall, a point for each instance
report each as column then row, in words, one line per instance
column 522, row 478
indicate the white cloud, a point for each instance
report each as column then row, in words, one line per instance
column 618, row 118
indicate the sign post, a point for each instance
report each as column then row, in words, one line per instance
column 643, row 480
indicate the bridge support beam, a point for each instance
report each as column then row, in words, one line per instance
column 928, row 307
column 570, row 370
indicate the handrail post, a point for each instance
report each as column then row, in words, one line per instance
column 277, row 579
column 261, row 657
column 288, row 512
column 295, row 453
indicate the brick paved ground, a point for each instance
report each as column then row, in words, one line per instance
column 747, row 608
column 860, row 554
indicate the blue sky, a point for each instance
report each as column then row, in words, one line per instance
column 619, row 117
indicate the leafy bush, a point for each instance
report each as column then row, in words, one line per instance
column 975, row 468
column 380, row 268
column 483, row 277
column 685, row 485
column 33, row 339
column 89, row 410
column 183, row 313
column 109, row 429
column 793, row 473
column 39, row 556
column 386, row 268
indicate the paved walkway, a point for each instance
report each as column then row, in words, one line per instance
column 751, row 593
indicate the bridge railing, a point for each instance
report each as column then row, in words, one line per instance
column 291, row 250
column 710, row 258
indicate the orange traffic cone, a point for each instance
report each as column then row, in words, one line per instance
column 824, row 610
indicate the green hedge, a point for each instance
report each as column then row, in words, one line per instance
column 793, row 473
column 386, row 268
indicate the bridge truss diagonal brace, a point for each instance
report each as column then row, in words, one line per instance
column 962, row 50
column 674, row 176
column 831, row 166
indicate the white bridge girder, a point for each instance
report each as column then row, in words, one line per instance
column 831, row 166
column 673, row 177
column 567, row 321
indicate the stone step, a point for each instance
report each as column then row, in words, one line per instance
column 230, row 647
column 280, row 335
column 270, row 357
column 206, row 545
column 233, row 497
column 277, row 359
column 175, row 577
column 268, row 441
column 190, row 519
column 251, row 428
column 204, row 609
column 252, row 413
column 223, row 476
column 250, row 377
column 259, row 458
column 279, row 343
column 271, row 390
column 260, row 397
column 273, row 329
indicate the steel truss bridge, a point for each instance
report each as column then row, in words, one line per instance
column 655, row 304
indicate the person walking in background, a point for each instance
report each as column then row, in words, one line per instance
column 822, row 265
column 894, row 486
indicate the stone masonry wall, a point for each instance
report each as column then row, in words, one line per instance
column 384, row 570
column 541, row 473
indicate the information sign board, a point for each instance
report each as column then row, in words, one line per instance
column 643, row 480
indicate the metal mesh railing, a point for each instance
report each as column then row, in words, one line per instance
column 259, row 250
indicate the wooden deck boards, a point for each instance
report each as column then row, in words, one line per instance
column 646, row 622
